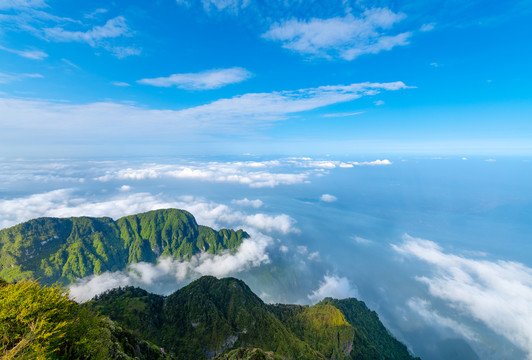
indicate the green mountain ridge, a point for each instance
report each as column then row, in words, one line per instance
column 65, row 249
column 207, row 319
column 224, row 319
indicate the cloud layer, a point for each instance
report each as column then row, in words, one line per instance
column 496, row 293
column 66, row 203
column 169, row 274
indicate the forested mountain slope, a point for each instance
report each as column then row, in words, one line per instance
column 65, row 249
column 210, row 317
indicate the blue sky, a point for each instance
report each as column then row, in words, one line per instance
column 243, row 76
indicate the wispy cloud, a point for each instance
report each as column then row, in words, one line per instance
column 232, row 6
column 431, row 316
column 113, row 28
column 21, row 4
column 95, row 13
column 345, row 37
column 343, row 114
column 7, row 78
column 70, row 63
column 427, row 27
column 496, row 293
column 361, row 240
column 29, row 54
column 249, row 112
column 124, row 51
column 205, row 80
column 120, row 83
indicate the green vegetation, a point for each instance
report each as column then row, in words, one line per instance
column 203, row 319
column 370, row 328
column 248, row 354
column 209, row 318
column 325, row 329
column 212, row 317
column 56, row 249
column 38, row 322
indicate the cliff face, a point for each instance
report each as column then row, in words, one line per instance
column 56, row 249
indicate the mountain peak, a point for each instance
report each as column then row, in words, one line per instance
column 65, row 249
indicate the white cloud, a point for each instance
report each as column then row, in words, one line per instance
column 255, row 174
column 124, row 188
column 70, row 63
column 328, row 198
column 232, row 6
column 434, row 64
column 113, row 28
column 302, row 249
column 277, row 105
column 427, row 27
column 120, row 83
column 224, row 116
column 95, row 13
column 66, row 203
column 124, row 51
column 205, row 80
column 283, row 248
column 280, row 223
column 7, row 78
column 496, row 293
column 21, row 4
column 333, row 286
column 246, row 202
column 345, row 37
column 315, row 255
column 490, row 160
column 373, row 163
column 169, row 274
column 343, row 114
column 235, row 172
column 379, row 102
column 464, row 158
column 361, row 240
column 431, row 316
column 29, row 54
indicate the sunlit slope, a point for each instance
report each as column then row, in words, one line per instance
column 39, row 322
column 370, row 328
column 64, row 249
column 203, row 319
column 211, row 317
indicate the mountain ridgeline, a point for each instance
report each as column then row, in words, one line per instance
column 65, row 249
column 224, row 319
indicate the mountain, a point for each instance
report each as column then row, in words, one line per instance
column 65, row 249
column 225, row 319
column 203, row 319
column 371, row 328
